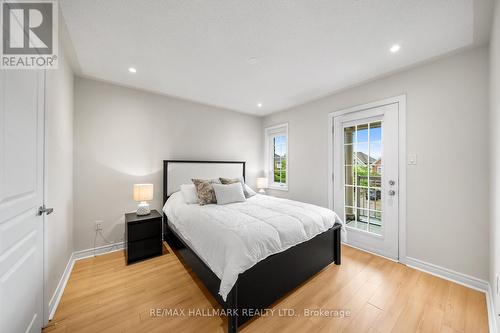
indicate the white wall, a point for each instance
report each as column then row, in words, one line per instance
column 122, row 136
column 447, row 126
column 59, row 173
column 495, row 158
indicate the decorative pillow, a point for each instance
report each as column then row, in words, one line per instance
column 205, row 191
column 189, row 193
column 229, row 193
column 238, row 180
column 248, row 190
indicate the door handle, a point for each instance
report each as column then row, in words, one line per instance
column 392, row 192
column 43, row 210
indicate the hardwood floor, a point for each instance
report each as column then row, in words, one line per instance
column 377, row 295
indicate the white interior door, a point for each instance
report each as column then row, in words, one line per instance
column 21, row 194
column 365, row 186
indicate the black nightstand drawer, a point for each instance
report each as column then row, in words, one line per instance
column 144, row 249
column 146, row 229
column 143, row 236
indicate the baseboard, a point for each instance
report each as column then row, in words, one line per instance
column 77, row 255
column 56, row 298
column 98, row 250
column 448, row 274
column 367, row 251
column 492, row 323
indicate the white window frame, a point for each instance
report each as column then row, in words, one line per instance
column 270, row 133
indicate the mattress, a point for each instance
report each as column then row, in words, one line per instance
column 232, row 238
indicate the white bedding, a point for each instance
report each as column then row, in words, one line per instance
column 232, row 238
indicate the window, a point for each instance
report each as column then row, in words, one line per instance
column 277, row 156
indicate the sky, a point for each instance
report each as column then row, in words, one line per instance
column 280, row 145
column 361, row 144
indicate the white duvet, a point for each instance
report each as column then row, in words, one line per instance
column 232, row 238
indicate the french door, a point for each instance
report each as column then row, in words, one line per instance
column 365, row 185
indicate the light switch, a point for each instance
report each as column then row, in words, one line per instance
column 412, row 159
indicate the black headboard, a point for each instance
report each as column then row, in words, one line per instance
column 196, row 164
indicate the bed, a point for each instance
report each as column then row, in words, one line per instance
column 276, row 260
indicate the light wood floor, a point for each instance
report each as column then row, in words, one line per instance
column 105, row 295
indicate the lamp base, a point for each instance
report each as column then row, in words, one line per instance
column 143, row 209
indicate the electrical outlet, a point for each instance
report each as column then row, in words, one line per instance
column 98, row 225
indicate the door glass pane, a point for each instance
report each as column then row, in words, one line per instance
column 349, row 155
column 376, row 175
column 375, row 152
column 376, row 132
column 349, row 134
column 363, row 177
column 375, row 199
column 362, row 133
column 361, row 154
column 350, row 199
column 350, row 177
column 362, row 197
column 350, row 215
column 362, row 217
column 375, row 222
column 357, row 218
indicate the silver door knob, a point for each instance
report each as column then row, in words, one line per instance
column 392, row 182
column 43, row 210
column 392, row 192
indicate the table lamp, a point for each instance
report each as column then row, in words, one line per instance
column 142, row 194
column 262, row 185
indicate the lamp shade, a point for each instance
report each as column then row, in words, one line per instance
column 261, row 182
column 143, row 192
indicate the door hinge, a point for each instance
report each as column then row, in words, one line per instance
column 43, row 210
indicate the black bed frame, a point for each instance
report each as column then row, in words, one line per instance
column 267, row 281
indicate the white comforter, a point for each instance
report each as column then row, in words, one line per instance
column 232, row 238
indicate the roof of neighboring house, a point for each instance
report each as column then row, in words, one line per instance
column 363, row 158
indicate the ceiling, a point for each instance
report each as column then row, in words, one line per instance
column 235, row 53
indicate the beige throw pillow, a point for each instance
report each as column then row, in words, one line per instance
column 226, row 181
column 205, row 190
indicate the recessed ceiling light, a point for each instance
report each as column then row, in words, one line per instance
column 395, row 48
column 132, row 70
column 259, row 105
column 253, row 60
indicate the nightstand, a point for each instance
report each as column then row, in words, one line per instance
column 143, row 236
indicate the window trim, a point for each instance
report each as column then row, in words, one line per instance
column 269, row 133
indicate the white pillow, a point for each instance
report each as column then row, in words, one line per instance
column 249, row 191
column 189, row 193
column 229, row 193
